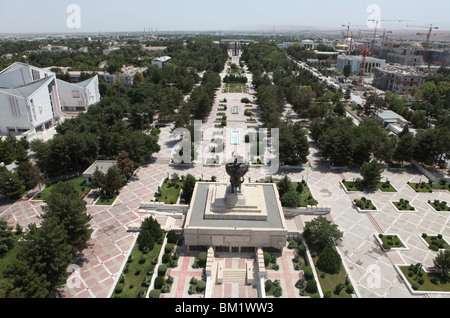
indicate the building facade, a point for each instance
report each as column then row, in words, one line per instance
column 355, row 62
column 398, row 79
column 32, row 99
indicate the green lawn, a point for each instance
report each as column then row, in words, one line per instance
column 306, row 196
column 355, row 186
column 235, row 88
column 436, row 241
column 133, row 278
column 423, row 281
column 365, row 204
column 169, row 192
column 330, row 281
column 439, row 205
column 105, row 201
column 77, row 183
column 391, row 241
column 427, row 187
column 403, row 205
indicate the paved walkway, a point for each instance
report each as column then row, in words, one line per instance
column 101, row 265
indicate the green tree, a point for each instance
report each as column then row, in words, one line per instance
column 442, row 263
column 320, row 233
column 48, row 251
column 6, row 237
column 114, row 180
column 291, row 199
column 405, row 147
column 11, row 186
column 284, row 186
column 188, row 188
column 371, row 173
column 69, row 207
column 125, row 164
column 329, row 261
column 347, row 70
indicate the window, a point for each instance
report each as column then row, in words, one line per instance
column 75, row 94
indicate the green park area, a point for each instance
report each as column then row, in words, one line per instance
column 78, row 183
column 391, row 241
column 429, row 186
column 170, row 191
column 235, row 88
column 358, row 186
column 423, row 281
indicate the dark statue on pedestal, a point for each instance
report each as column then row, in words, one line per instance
column 236, row 169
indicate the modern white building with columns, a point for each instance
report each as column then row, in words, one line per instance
column 355, row 62
column 33, row 99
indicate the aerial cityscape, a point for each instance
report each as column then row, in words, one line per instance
column 249, row 151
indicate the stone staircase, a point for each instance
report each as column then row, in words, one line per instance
column 234, row 276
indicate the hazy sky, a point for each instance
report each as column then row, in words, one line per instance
column 191, row 15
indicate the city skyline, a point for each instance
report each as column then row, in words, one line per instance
column 201, row 15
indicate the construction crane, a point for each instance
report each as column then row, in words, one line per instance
column 431, row 28
column 377, row 21
column 348, row 27
column 385, row 37
column 363, row 62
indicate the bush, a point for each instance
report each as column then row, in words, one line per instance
column 159, row 282
column 202, row 258
column 291, row 199
column 172, row 237
column 193, row 281
column 301, row 249
column 166, row 258
column 328, row 294
column 415, row 286
column 308, row 273
column 201, row 285
column 165, row 288
column 300, row 284
column 169, row 280
column 329, row 261
column 268, row 285
column 350, row 289
column 266, row 258
column 168, row 248
column 434, row 280
column 311, row 286
column 434, row 247
column 338, row 288
column 154, row 293
column 119, row 289
column 162, row 270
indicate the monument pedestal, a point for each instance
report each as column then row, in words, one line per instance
column 222, row 204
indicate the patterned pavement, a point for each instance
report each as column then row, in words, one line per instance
column 101, row 264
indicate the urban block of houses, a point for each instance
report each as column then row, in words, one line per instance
column 161, row 61
column 398, row 79
column 33, row 99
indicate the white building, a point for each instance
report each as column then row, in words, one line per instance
column 398, row 79
column 30, row 107
column 355, row 62
column 161, row 61
column 31, row 99
column 309, row 44
column 78, row 96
